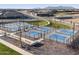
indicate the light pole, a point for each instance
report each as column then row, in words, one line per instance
column 73, row 30
column 20, row 38
column 3, row 13
column 20, row 33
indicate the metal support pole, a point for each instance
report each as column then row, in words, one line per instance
column 73, row 30
column 20, row 35
column 20, row 38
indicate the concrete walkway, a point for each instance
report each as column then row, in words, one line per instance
column 23, row 52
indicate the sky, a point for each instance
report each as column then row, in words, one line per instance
column 28, row 6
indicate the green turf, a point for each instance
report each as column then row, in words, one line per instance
column 38, row 23
column 54, row 24
column 4, row 50
column 59, row 25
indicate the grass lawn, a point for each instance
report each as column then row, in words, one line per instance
column 4, row 50
column 59, row 25
column 38, row 23
column 54, row 24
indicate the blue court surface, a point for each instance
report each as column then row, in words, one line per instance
column 46, row 29
column 43, row 29
column 11, row 27
column 16, row 26
column 58, row 37
column 67, row 32
column 33, row 34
